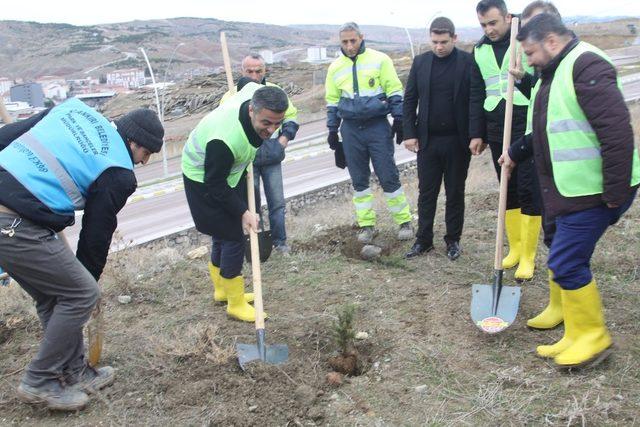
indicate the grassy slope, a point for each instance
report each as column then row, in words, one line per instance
column 176, row 362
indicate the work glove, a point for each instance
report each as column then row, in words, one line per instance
column 333, row 139
column 340, row 159
column 396, row 129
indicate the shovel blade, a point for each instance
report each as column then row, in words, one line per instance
column 482, row 303
column 265, row 244
column 272, row 354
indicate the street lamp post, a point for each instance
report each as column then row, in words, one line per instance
column 164, row 81
column 413, row 54
column 160, row 112
column 406, row 30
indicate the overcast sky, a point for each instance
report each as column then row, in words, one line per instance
column 411, row 14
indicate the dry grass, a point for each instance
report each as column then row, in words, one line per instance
column 174, row 349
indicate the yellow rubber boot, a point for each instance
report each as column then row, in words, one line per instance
column 512, row 225
column 219, row 294
column 591, row 343
column 237, row 307
column 551, row 316
column 529, row 234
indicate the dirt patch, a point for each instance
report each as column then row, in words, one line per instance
column 421, row 361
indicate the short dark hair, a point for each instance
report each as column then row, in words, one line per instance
column 484, row 6
column 442, row 25
column 540, row 26
column 544, row 5
column 270, row 97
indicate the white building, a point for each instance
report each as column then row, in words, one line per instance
column 55, row 91
column 129, row 78
column 316, row 54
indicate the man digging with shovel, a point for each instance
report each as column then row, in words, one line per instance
column 589, row 173
column 65, row 159
column 214, row 164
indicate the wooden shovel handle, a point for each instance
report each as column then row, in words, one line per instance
column 506, row 142
column 253, row 237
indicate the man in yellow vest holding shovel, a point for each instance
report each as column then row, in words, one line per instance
column 589, row 173
column 522, row 221
column 214, row 164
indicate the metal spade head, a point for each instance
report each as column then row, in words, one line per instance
column 265, row 244
column 494, row 307
column 272, row 354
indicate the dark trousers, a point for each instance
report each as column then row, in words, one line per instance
column 228, row 255
column 513, row 201
column 575, row 240
column 443, row 157
column 64, row 291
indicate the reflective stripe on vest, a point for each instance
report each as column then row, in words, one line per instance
column 496, row 77
column 374, row 74
column 60, row 157
column 221, row 124
column 574, row 147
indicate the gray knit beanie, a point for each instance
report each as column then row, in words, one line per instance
column 143, row 127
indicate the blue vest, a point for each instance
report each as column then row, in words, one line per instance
column 59, row 158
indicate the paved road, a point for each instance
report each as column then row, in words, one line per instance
column 159, row 216
column 154, row 170
column 305, row 169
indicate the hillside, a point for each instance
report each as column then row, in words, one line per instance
column 30, row 50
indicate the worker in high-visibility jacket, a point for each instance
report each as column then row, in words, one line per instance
column 214, row 164
column 589, row 172
column 523, row 216
column 267, row 166
column 362, row 88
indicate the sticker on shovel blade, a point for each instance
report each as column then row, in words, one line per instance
column 492, row 325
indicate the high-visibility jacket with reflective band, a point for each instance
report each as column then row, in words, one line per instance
column 59, row 158
column 221, row 124
column 291, row 115
column 573, row 145
column 496, row 77
column 359, row 88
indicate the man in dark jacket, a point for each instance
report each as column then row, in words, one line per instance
column 62, row 160
column 214, row 162
column 522, row 220
column 449, row 116
column 589, row 171
column 268, row 162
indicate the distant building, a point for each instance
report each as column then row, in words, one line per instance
column 316, row 54
column 130, row 78
column 20, row 110
column 55, row 91
column 267, row 55
column 31, row 93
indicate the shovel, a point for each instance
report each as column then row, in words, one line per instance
column 494, row 307
column 265, row 242
column 247, row 353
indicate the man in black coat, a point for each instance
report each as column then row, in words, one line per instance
column 442, row 116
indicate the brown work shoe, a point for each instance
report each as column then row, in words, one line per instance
column 91, row 380
column 53, row 395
